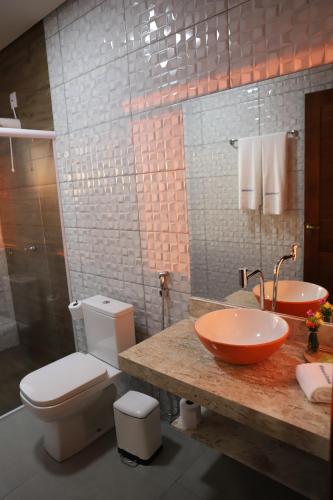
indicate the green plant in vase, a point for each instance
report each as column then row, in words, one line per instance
column 326, row 310
column 313, row 323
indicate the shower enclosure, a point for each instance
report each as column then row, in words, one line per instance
column 35, row 326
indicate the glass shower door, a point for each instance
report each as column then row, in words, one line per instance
column 35, row 326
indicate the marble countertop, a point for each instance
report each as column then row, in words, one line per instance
column 265, row 397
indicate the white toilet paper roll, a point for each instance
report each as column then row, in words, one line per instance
column 75, row 308
column 190, row 414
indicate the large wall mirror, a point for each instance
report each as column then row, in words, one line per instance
column 223, row 237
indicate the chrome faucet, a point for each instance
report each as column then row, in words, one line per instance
column 245, row 275
column 293, row 257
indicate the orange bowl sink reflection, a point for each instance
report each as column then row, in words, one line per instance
column 241, row 336
column 293, row 297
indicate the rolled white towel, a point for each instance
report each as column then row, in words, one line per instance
column 315, row 380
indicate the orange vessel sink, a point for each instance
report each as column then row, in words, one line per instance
column 241, row 336
column 293, row 297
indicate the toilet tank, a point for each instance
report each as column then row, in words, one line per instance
column 109, row 326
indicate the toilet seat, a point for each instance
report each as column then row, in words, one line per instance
column 59, row 381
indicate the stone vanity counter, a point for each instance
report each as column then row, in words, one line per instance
column 264, row 397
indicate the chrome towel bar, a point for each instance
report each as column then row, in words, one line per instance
column 291, row 133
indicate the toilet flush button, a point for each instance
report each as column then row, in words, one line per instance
column 106, row 302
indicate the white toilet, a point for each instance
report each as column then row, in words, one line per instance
column 73, row 397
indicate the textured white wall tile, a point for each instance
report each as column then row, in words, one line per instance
column 226, row 256
column 54, row 60
column 196, row 193
column 164, row 251
column 180, row 282
column 222, row 284
column 107, row 203
column 271, row 38
column 150, row 21
column 113, row 254
column 51, row 24
column 162, row 202
column 296, row 190
column 230, row 122
column 76, row 282
column 63, row 159
column 59, row 110
column 233, row 225
column 246, row 93
column 68, row 204
column 197, row 224
column 158, row 139
column 72, row 239
column 175, row 69
column 105, row 150
column 284, row 229
column 285, row 84
column 97, row 96
column 221, row 193
column 192, row 127
column 224, row 259
column 94, row 39
column 176, row 308
column 321, row 78
column 282, row 112
column 191, row 106
column 211, row 160
column 71, row 10
column 199, row 272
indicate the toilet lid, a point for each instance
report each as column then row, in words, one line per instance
column 54, row 383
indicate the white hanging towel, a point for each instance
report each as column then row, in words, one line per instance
column 274, row 173
column 249, row 173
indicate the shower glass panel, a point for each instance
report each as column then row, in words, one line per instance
column 35, row 326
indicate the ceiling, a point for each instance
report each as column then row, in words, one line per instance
column 17, row 16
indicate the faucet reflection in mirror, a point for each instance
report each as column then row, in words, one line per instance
column 244, row 276
column 293, row 257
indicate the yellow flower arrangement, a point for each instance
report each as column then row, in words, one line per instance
column 326, row 310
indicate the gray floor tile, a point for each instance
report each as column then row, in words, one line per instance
column 111, row 483
column 214, row 476
column 95, row 473
column 183, row 470
column 178, row 492
column 178, row 454
column 19, row 433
